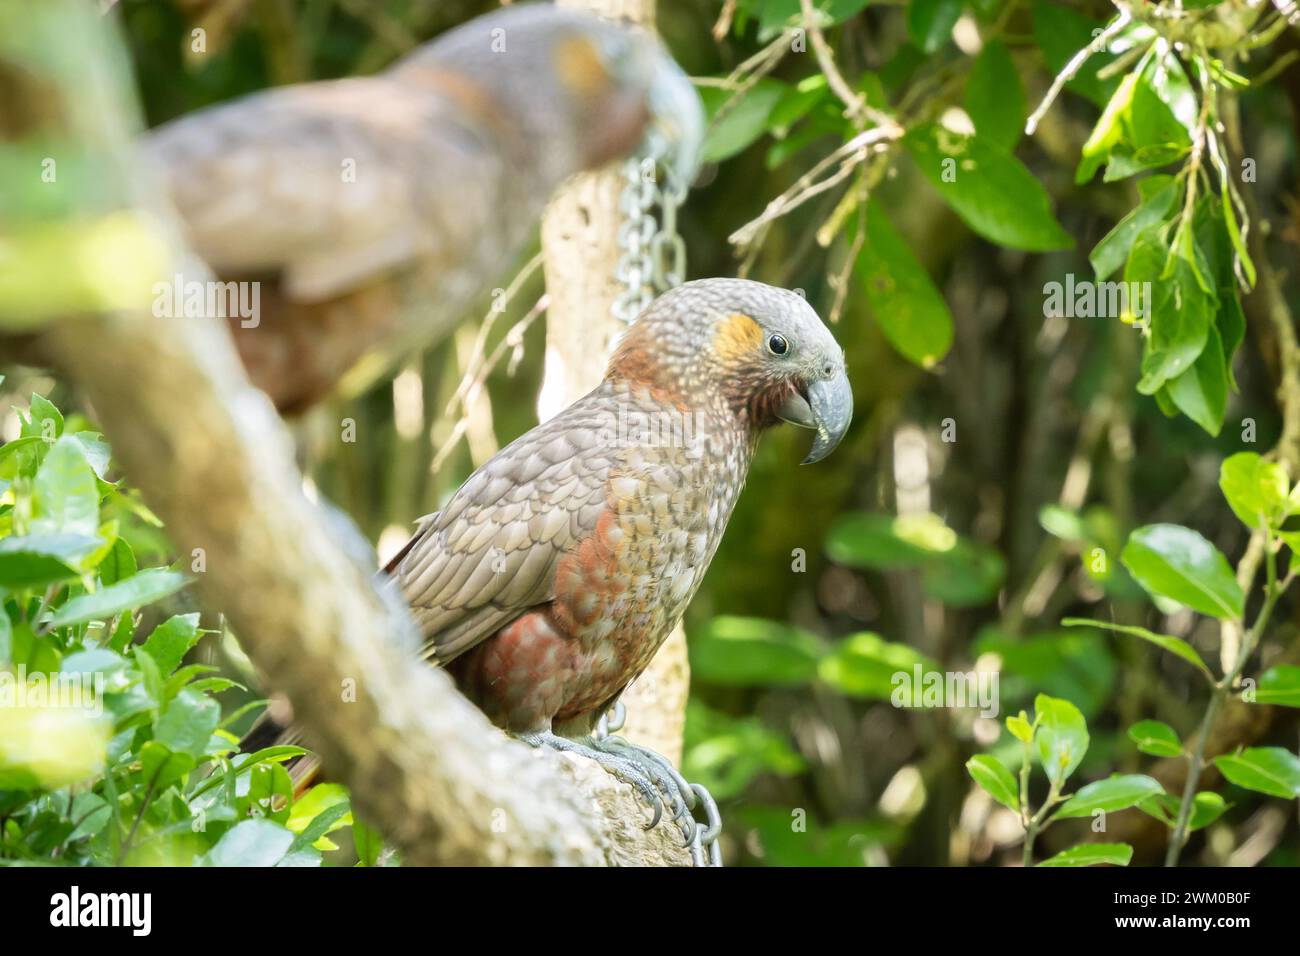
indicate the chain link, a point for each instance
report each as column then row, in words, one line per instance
column 652, row 259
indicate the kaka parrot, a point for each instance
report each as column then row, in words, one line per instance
column 553, row 574
column 372, row 210
column 551, row 577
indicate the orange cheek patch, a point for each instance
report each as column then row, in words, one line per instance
column 738, row 335
column 579, row 66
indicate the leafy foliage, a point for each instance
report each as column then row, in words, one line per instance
column 112, row 749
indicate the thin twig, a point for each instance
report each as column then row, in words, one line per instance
column 723, row 25
column 499, row 304
column 513, row 341
column 850, row 155
column 857, row 109
column 1072, row 68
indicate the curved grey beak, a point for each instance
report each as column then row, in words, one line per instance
column 675, row 135
column 826, row 405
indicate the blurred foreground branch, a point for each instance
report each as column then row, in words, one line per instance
column 215, row 462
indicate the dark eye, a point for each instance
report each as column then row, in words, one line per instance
column 777, row 345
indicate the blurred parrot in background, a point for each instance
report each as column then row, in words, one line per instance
column 373, row 210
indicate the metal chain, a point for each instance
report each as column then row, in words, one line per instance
column 652, row 259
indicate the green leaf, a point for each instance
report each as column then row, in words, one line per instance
column 988, row 188
column 930, row 22
column 38, row 559
column 1207, row 806
column 996, row 779
column 751, row 651
column 1075, row 665
column 42, row 411
column 1153, row 123
column 865, row 665
column 1174, row 645
column 995, row 98
column 968, row 574
column 118, row 565
column 1062, row 737
column 369, row 844
column 1123, row 163
column 1061, row 523
column 96, row 451
column 1109, row 130
column 1181, row 313
column 726, row 754
column 1114, row 793
column 65, row 497
column 316, row 801
column 1256, row 490
column 17, row 450
column 912, row 314
column 1156, row 738
column 135, row 592
column 744, row 121
column 90, row 813
column 1201, row 393
column 250, row 843
column 98, row 660
column 885, row 542
column 269, row 793
column 328, row 819
column 1021, row 728
column 1271, row 770
column 1112, row 251
column 1238, row 241
column 187, row 723
column 171, row 640
column 1280, row 686
column 774, row 14
column 1178, row 563
column 1092, row 854
column 795, row 104
column 160, row 767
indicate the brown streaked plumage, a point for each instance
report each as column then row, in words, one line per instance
column 552, row 576
column 373, row 210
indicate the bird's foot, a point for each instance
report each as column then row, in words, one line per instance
column 649, row 773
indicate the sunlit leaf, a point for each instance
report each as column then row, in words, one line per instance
column 1178, row 563
column 1092, row 854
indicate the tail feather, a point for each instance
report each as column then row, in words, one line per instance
column 275, row 728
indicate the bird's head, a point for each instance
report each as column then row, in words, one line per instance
column 580, row 91
column 760, row 350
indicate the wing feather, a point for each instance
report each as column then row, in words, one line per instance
column 492, row 552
